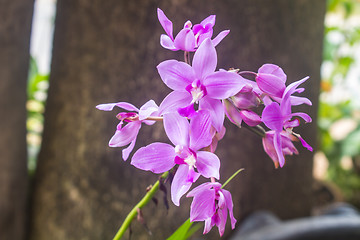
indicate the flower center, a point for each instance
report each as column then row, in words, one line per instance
column 190, row 160
column 197, row 91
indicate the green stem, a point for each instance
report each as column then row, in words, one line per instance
column 232, row 176
column 143, row 202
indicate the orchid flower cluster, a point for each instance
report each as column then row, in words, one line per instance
column 193, row 116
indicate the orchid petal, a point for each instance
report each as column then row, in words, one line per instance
column 273, row 70
column 125, row 135
column 216, row 110
column 126, row 152
column 208, row 164
column 203, row 205
column 185, row 40
column 148, row 109
column 177, row 129
column 272, row 118
column 205, row 59
column 180, row 184
column 221, row 85
column 174, row 101
column 200, row 130
column 220, row 37
column 304, row 116
column 110, row 106
column 295, row 101
column 167, row 42
column 270, row 84
column 156, row 157
column 232, row 113
column 229, row 205
column 278, row 149
column 209, row 20
column 250, row 118
column 176, row 75
column 165, row 23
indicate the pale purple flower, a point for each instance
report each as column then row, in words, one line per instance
column 190, row 37
column 127, row 134
column 211, row 204
column 236, row 116
column 278, row 117
column 188, row 140
column 199, row 84
column 271, row 80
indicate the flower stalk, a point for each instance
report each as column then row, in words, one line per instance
column 143, row 202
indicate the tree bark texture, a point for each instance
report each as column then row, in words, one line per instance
column 107, row 51
column 15, row 27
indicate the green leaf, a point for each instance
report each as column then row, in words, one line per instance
column 184, row 231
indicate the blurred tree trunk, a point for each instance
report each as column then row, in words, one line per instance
column 107, row 51
column 15, row 27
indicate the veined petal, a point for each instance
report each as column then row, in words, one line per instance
column 278, row 149
column 270, row 84
column 176, row 75
column 110, row 106
column 156, row 157
column 200, row 126
column 229, row 205
column 148, row 109
column 203, row 205
column 295, row 101
column 272, row 117
column 220, row 37
column 126, row 152
column 177, row 129
column 250, row 118
column 208, row 164
column 209, row 20
column 185, row 40
column 174, row 101
column 205, row 59
column 167, row 42
column 165, row 23
column 180, row 184
column 216, row 110
column 304, row 116
column 125, row 135
column 274, row 70
column 221, row 85
column 232, row 113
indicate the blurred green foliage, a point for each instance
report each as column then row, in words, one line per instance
column 37, row 93
column 340, row 43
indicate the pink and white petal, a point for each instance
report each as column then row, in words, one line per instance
column 167, row 43
column 200, row 188
column 180, row 184
column 221, row 220
column 208, row 164
column 216, row 110
column 221, row 85
column 272, row 117
column 148, row 109
column 209, row 223
column 274, row 70
column 125, row 135
column 229, row 205
column 110, row 106
column 126, row 152
column 156, row 157
column 165, row 23
column 203, row 205
column 177, row 129
column 185, row 40
column 209, row 20
column 176, row 75
column 232, row 113
column 270, row 84
column 205, row 59
column 173, row 101
column 220, row 37
column 200, row 135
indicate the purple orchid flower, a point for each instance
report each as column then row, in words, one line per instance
column 188, row 140
column 127, row 134
column 278, row 117
column 287, row 147
column 211, row 204
column 190, row 37
column 200, row 84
